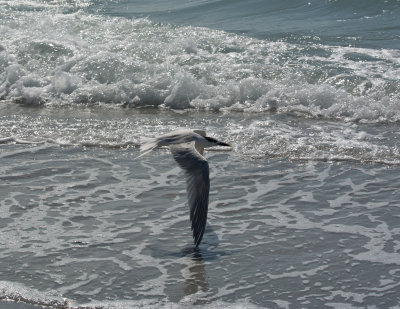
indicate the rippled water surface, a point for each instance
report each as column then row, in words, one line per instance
column 93, row 226
column 304, row 211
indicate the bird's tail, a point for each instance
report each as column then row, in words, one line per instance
column 147, row 145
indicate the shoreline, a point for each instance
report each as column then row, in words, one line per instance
column 17, row 305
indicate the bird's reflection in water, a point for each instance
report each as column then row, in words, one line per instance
column 195, row 263
column 192, row 266
column 194, row 272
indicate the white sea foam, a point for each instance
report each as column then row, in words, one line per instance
column 263, row 136
column 82, row 58
column 13, row 292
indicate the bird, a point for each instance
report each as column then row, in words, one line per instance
column 187, row 146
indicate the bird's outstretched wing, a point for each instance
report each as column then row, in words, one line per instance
column 198, row 185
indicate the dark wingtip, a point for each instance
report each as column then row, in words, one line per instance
column 197, row 237
column 197, row 240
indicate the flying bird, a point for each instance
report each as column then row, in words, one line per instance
column 187, row 148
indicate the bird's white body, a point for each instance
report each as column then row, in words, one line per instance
column 187, row 149
column 177, row 137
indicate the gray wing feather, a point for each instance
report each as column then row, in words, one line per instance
column 198, row 186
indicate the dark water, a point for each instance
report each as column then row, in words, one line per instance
column 366, row 24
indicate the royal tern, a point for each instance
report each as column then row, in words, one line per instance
column 187, row 148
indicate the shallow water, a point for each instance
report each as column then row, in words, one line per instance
column 92, row 226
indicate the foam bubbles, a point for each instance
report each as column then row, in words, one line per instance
column 65, row 83
column 183, row 92
column 84, row 58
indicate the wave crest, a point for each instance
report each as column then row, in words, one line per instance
column 81, row 58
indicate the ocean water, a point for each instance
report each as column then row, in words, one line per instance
column 304, row 211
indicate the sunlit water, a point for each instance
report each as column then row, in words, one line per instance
column 304, row 211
